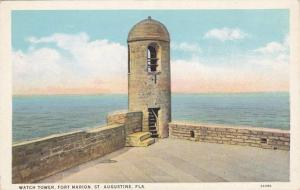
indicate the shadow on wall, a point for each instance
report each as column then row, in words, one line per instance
column 37, row 159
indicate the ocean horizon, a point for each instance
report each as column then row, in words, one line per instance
column 36, row 116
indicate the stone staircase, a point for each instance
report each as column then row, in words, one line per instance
column 139, row 139
column 152, row 123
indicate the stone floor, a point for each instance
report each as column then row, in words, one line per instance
column 173, row 160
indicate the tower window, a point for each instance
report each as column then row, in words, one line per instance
column 151, row 59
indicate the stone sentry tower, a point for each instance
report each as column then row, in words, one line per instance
column 149, row 86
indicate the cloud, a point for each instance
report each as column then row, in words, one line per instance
column 274, row 47
column 65, row 41
column 263, row 69
column 76, row 63
column 246, row 73
column 225, row 34
column 279, row 51
column 186, row 47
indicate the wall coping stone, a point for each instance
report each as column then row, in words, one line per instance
column 53, row 136
column 118, row 112
column 122, row 112
column 99, row 129
column 197, row 124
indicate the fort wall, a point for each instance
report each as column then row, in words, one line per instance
column 244, row 136
column 132, row 120
column 36, row 159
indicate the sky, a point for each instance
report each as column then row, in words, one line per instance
column 85, row 52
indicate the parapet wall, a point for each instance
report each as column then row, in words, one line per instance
column 244, row 136
column 40, row 158
column 131, row 120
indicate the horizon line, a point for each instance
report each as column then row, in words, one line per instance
column 118, row 93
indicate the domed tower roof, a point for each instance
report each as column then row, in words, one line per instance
column 148, row 29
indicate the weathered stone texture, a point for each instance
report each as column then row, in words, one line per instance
column 148, row 29
column 243, row 136
column 150, row 89
column 131, row 120
column 37, row 159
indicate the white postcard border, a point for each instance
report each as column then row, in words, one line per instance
column 6, row 76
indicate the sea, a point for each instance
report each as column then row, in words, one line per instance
column 39, row 116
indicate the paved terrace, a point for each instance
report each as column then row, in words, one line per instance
column 173, row 160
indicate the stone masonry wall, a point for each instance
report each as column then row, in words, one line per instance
column 150, row 89
column 131, row 120
column 37, row 159
column 244, row 136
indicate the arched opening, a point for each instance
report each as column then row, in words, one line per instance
column 152, row 58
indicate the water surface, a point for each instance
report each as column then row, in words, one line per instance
column 38, row 116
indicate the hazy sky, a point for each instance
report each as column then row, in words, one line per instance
column 58, row 52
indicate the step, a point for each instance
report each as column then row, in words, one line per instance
column 144, row 143
column 139, row 136
column 147, row 142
